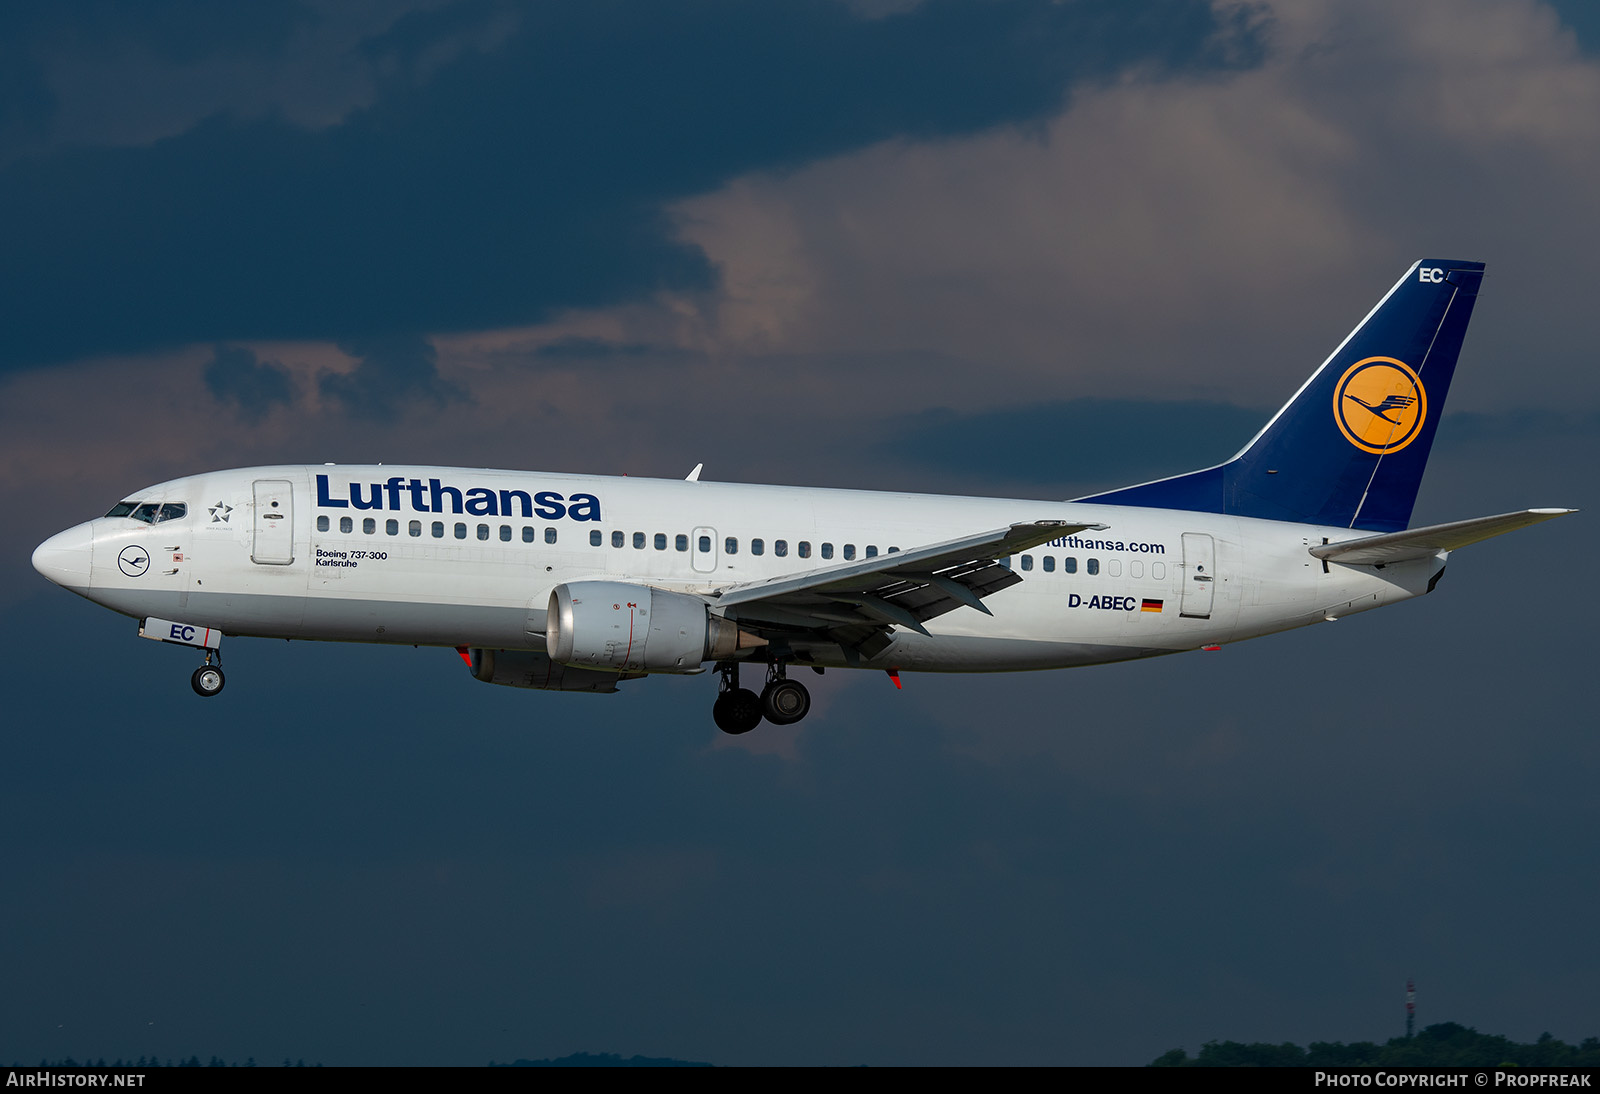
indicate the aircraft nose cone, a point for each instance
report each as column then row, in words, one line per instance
column 64, row 557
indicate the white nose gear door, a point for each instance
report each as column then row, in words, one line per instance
column 1199, row 575
column 274, row 523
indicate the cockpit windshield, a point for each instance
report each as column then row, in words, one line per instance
column 150, row 512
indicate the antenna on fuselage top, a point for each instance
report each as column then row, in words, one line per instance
column 694, row 476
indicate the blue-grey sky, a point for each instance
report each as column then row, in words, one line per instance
column 973, row 246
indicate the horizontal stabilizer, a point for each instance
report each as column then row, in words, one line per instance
column 1423, row 542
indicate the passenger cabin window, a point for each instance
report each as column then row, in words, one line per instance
column 1027, row 562
column 483, row 531
column 780, row 547
column 438, row 529
column 369, row 525
column 461, row 530
column 391, row 528
column 1049, row 562
column 758, row 546
column 638, row 541
column 1092, row 567
column 705, row 545
column 661, row 541
column 505, row 533
column 618, row 539
column 346, row 524
column 322, row 524
column 1158, row 570
column 549, row 535
column 872, row 552
column 1070, row 564
column 596, row 538
column 682, row 543
column 1136, row 569
column 414, row 528
column 827, row 550
column 803, row 548
column 730, row 546
column 527, row 533
column 849, row 551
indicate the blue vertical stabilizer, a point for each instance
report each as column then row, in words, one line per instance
column 1350, row 447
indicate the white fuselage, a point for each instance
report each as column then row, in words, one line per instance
column 468, row 558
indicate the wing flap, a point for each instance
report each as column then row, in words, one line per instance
column 858, row 603
column 1423, row 542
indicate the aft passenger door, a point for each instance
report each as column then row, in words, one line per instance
column 274, row 523
column 1199, row 575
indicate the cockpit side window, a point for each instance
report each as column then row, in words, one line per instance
column 150, row 512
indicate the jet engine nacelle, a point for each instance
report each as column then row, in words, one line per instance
column 532, row 669
column 634, row 628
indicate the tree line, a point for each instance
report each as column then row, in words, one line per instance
column 1447, row 1044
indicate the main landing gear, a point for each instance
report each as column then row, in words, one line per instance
column 782, row 702
column 208, row 679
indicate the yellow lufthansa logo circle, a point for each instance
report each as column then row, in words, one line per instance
column 1380, row 405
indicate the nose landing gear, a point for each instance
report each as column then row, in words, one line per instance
column 208, row 679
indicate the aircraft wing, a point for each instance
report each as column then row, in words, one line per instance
column 856, row 604
column 1422, row 542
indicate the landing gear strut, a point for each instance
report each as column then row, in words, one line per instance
column 784, row 701
column 737, row 709
column 208, row 679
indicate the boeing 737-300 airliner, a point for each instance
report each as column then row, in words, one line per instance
column 577, row 583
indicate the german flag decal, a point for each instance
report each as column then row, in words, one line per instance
column 1150, row 605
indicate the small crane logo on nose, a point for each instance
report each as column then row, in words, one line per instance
column 134, row 561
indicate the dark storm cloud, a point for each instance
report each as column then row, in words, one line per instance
column 578, row 350
column 1473, row 428
column 176, row 32
column 1081, row 440
column 395, row 369
column 518, row 181
column 179, row 31
column 1583, row 19
column 26, row 101
column 252, row 386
